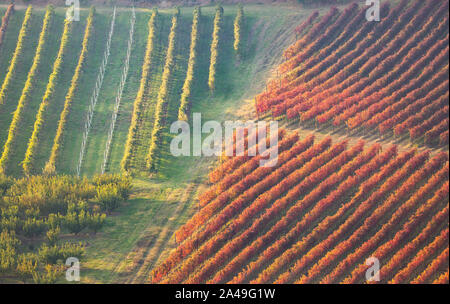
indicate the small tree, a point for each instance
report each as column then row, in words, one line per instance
column 50, row 275
column 5, row 183
column 33, row 227
column 55, row 221
column 96, row 221
column 8, row 245
column 108, row 197
column 72, row 223
column 53, row 235
column 26, row 267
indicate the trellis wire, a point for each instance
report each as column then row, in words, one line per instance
column 123, row 79
column 95, row 93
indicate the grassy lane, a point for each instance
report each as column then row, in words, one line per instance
column 111, row 257
column 56, row 105
column 39, row 85
column 68, row 158
column 19, row 77
column 170, row 170
column 130, row 90
column 175, row 88
column 102, row 116
column 154, row 252
column 154, row 241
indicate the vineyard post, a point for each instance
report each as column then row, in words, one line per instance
column 95, row 94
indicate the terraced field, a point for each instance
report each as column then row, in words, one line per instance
column 326, row 209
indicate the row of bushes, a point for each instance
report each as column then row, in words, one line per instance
column 183, row 111
column 163, row 97
column 137, row 108
column 5, row 21
column 77, row 219
column 36, row 210
column 53, row 194
column 50, row 166
column 17, row 52
column 238, row 23
column 27, row 90
column 28, row 162
column 215, row 48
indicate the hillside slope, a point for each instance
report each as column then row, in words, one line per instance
column 334, row 79
column 382, row 79
column 328, row 206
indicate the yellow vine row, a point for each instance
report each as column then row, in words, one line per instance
column 137, row 107
column 50, row 166
column 238, row 29
column 27, row 90
column 28, row 162
column 215, row 49
column 17, row 52
column 183, row 111
column 163, row 97
column 5, row 21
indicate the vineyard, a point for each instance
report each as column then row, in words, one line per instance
column 92, row 97
column 328, row 206
column 388, row 77
column 286, row 224
column 86, row 108
column 55, row 128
